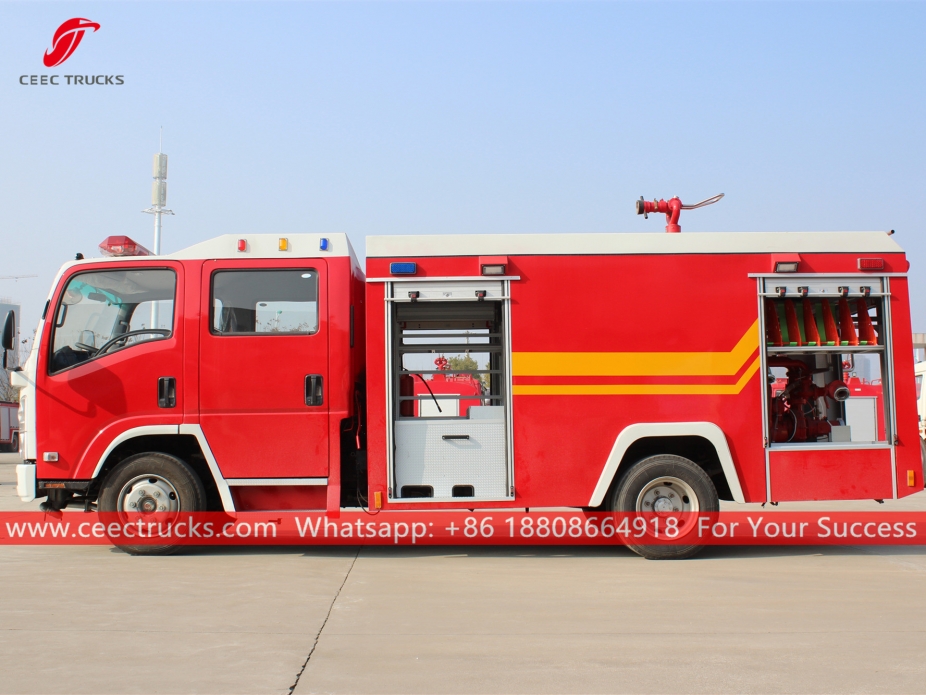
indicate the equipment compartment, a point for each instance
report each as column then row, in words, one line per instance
column 449, row 379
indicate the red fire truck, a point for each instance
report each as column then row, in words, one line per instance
column 628, row 372
column 9, row 426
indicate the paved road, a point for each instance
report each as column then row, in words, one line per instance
column 461, row 620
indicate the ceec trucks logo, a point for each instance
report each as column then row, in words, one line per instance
column 66, row 40
column 63, row 44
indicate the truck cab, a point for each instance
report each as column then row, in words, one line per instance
column 237, row 360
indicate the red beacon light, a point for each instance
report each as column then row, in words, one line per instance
column 122, row 246
column 672, row 208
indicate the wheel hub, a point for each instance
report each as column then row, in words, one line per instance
column 668, row 496
column 148, row 494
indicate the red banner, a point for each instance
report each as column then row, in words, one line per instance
column 463, row 528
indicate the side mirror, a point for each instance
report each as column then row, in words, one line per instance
column 9, row 334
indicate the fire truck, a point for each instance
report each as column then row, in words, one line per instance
column 9, row 412
column 9, row 426
column 624, row 372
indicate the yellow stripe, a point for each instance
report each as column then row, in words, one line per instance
column 637, row 389
column 637, row 363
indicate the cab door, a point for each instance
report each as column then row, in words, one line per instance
column 263, row 387
column 111, row 360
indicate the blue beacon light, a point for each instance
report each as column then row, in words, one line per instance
column 403, row 268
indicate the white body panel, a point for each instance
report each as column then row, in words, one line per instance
column 592, row 244
column 862, row 418
column 25, row 481
column 424, row 457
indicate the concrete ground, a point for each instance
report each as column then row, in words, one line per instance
column 462, row 620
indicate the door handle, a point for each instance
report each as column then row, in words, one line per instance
column 167, row 392
column 454, row 436
column 314, row 390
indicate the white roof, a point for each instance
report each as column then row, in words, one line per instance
column 650, row 243
column 267, row 246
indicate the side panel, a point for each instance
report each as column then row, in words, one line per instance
column 831, row 475
column 376, row 370
column 601, row 343
column 604, row 342
column 908, row 458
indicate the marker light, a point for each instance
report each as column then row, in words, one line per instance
column 284, row 244
column 122, row 246
column 786, row 262
column 871, row 264
column 492, row 265
column 242, row 245
column 323, row 244
column 403, row 268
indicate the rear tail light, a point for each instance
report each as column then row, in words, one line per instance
column 871, row 264
column 122, row 246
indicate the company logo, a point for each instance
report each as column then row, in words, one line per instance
column 66, row 40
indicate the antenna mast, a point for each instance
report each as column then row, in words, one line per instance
column 158, row 207
column 159, row 194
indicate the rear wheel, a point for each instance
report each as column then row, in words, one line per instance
column 148, row 483
column 669, row 487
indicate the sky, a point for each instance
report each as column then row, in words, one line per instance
column 459, row 117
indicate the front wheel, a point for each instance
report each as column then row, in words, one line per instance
column 667, row 486
column 149, row 483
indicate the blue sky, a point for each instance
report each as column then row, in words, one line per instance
column 408, row 118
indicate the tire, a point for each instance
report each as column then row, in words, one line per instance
column 14, row 443
column 651, row 482
column 138, row 480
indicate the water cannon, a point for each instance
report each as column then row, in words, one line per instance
column 672, row 208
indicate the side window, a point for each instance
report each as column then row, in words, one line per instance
column 824, row 344
column 105, row 311
column 265, row 302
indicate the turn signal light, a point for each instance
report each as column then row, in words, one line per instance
column 284, row 244
column 122, row 246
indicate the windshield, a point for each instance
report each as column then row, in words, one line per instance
column 95, row 309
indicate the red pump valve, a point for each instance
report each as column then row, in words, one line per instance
column 672, row 208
